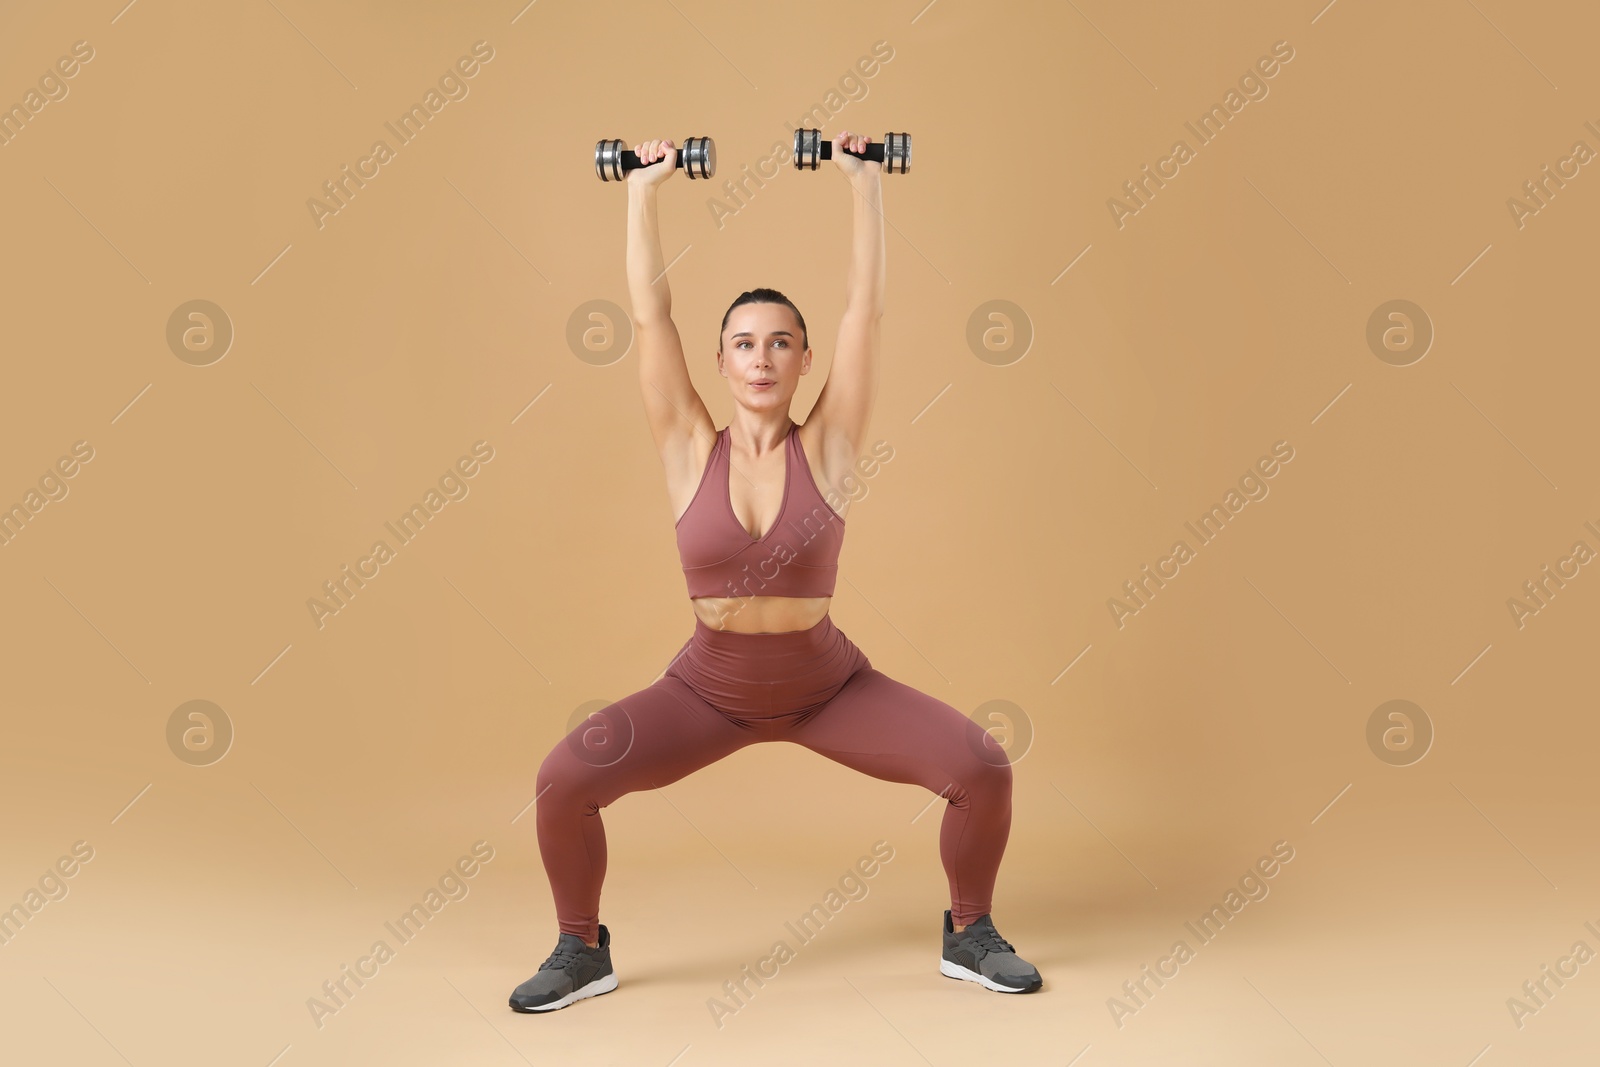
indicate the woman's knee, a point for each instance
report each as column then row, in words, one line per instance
column 994, row 776
column 563, row 778
column 987, row 769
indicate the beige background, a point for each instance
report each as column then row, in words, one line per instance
column 1229, row 313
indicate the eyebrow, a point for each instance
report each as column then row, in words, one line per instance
column 775, row 333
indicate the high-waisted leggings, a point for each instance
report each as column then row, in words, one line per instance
column 725, row 690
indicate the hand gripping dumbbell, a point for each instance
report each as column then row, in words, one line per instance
column 612, row 162
column 894, row 152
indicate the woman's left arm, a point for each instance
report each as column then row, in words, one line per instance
column 844, row 407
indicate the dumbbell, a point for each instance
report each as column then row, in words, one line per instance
column 894, row 152
column 612, row 162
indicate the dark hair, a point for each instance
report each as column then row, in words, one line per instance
column 764, row 296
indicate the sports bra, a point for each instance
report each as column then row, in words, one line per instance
column 798, row 556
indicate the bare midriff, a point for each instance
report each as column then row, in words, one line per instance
column 761, row 614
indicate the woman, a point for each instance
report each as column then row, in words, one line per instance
column 765, row 662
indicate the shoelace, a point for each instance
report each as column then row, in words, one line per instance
column 989, row 940
column 559, row 960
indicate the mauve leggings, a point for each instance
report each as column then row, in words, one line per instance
column 726, row 690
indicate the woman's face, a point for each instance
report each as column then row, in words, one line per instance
column 762, row 345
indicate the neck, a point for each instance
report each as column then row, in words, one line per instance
column 763, row 433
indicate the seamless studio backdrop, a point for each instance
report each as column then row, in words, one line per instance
column 1236, row 391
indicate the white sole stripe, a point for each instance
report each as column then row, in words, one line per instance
column 593, row 989
column 955, row 970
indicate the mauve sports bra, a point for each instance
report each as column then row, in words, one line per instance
column 798, row 557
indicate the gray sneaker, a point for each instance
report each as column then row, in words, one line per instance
column 573, row 971
column 979, row 954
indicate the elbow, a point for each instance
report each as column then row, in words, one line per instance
column 648, row 306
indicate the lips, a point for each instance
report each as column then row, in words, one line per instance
column 763, row 383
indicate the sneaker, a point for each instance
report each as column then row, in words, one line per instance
column 979, row 954
column 573, row 971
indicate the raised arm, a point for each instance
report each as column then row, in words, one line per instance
column 673, row 407
column 844, row 407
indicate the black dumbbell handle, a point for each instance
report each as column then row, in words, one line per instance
column 874, row 151
column 631, row 162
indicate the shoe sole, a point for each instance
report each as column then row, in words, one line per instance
column 955, row 970
column 593, row 989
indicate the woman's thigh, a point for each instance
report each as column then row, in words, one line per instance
column 645, row 740
column 892, row 731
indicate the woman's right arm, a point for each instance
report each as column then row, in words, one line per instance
column 674, row 409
